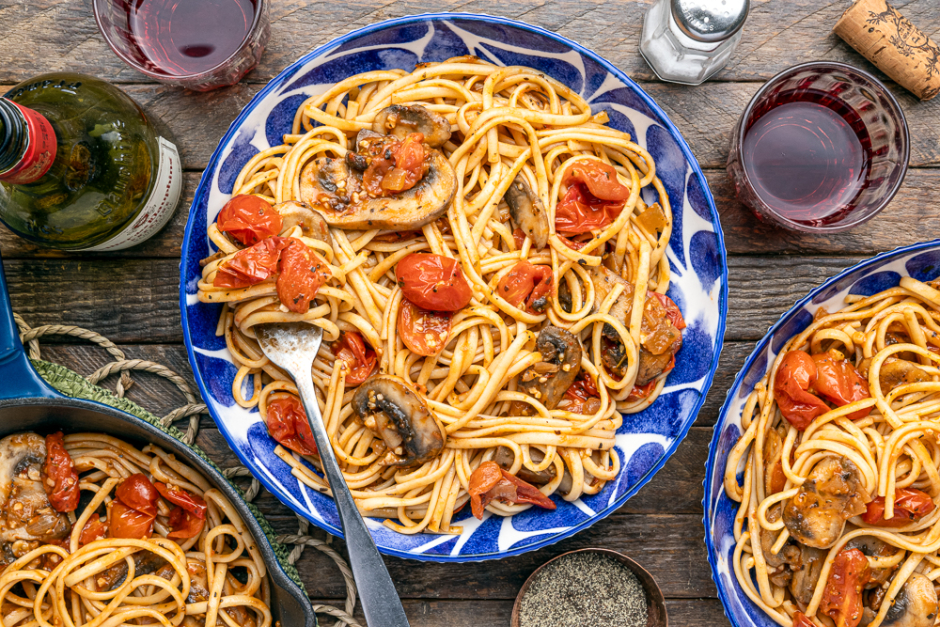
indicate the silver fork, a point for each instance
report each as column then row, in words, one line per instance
column 293, row 346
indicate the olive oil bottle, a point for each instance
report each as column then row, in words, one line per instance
column 81, row 167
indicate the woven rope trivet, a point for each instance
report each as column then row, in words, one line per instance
column 192, row 410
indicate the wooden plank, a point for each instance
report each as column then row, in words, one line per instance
column 136, row 300
column 61, row 35
column 670, row 547
column 474, row 613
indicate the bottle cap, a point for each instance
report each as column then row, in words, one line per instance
column 710, row 20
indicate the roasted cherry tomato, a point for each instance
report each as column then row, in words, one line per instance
column 580, row 392
column 58, row 475
column 842, row 597
column 287, row 424
column 672, row 311
column 433, row 282
column 518, row 237
column 840, row 383
column 94, row 530
column 252, row 265
column 796, row 375
column 599, row 178
column 127, row 522
column 138, row 493
column 490, row 482
column 394, row 166
column 184, row 524
column 249, row 219
column 360, row 359
column 423, row 332
column 642, row 391
column 192, row 503
column 529, row 284
column 302, row 273
column 910, row 505
column 802, row 620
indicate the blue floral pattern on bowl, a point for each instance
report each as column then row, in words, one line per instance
column 921, row 261
column 696, row 255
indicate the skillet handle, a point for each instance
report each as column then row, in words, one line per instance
column 18, row 379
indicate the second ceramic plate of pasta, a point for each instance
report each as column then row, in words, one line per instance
column 516, row 263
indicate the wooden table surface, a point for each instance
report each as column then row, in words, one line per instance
column 131, row 296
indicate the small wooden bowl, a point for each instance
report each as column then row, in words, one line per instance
column 655, row 603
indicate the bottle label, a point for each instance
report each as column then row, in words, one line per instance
column 159, row 207
column 40, row 150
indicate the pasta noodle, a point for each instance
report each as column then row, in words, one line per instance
column 837, row 522
column 551, row 228
column 74, row 568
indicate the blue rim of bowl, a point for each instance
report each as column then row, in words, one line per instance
column 738, row 381
column 663, row 119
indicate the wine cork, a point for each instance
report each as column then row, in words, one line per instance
column 889, row 40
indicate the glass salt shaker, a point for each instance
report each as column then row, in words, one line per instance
column 688, row 41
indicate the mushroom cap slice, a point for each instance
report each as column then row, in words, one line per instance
column 401, row 120
column 391, row 408
column 915, row 605
column 409, row 210
column 527, row 211
column 311, row 221
column 549, row 379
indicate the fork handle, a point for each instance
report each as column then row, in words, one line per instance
column 380, row 602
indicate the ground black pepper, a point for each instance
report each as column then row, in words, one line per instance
column 584, row 590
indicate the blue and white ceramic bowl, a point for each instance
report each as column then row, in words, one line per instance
column 696, row 254
column 921, row 261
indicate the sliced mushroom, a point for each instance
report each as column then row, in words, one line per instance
column 661, row 340
column 915, row 605
column 26, row 516
column 780, row 566
column 806, row 574
column 330, row 186
column 504, row 457
column 833, row 493
column 527, row 211
column 548, row 380
column 895, row 372
column 311, row 221
column 145, row 563
column 389, row 407
column 400, row 120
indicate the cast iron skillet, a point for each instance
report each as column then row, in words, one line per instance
column 28, row 403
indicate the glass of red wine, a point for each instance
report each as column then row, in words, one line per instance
column 822, row 147
column 196, row 44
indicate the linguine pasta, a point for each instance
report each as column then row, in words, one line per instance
column 519, row 148
column 837, row 523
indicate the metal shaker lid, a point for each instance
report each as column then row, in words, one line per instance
column 710, row 20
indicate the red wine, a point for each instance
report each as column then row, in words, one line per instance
column 181, row 37
column 808, row 159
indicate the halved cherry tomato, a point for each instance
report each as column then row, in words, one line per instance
column 433, row 282
column 423, row 332
column 642, row 391
column 489, row 482
column 802, row 620
column 909, row 505
column 94, row 530
column 581, row 391
column 394, row 166
column 518, row 237
column 302, row 273
column 252, row 265
column 840, row 383
column 138, row 493
column 184, row 524
column 572, row 243
column 599, row 178
column 192, row 503
column 796, row 374
column 59, row 478
column 842, row 597
column 527, row 283
column 360, row 359
column 672, row 311
column 580, row 212
column 287, row 424
column 249, row 219
column 126, row 522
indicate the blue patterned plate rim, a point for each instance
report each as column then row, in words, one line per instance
column 662, row 119
column 739, row 380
